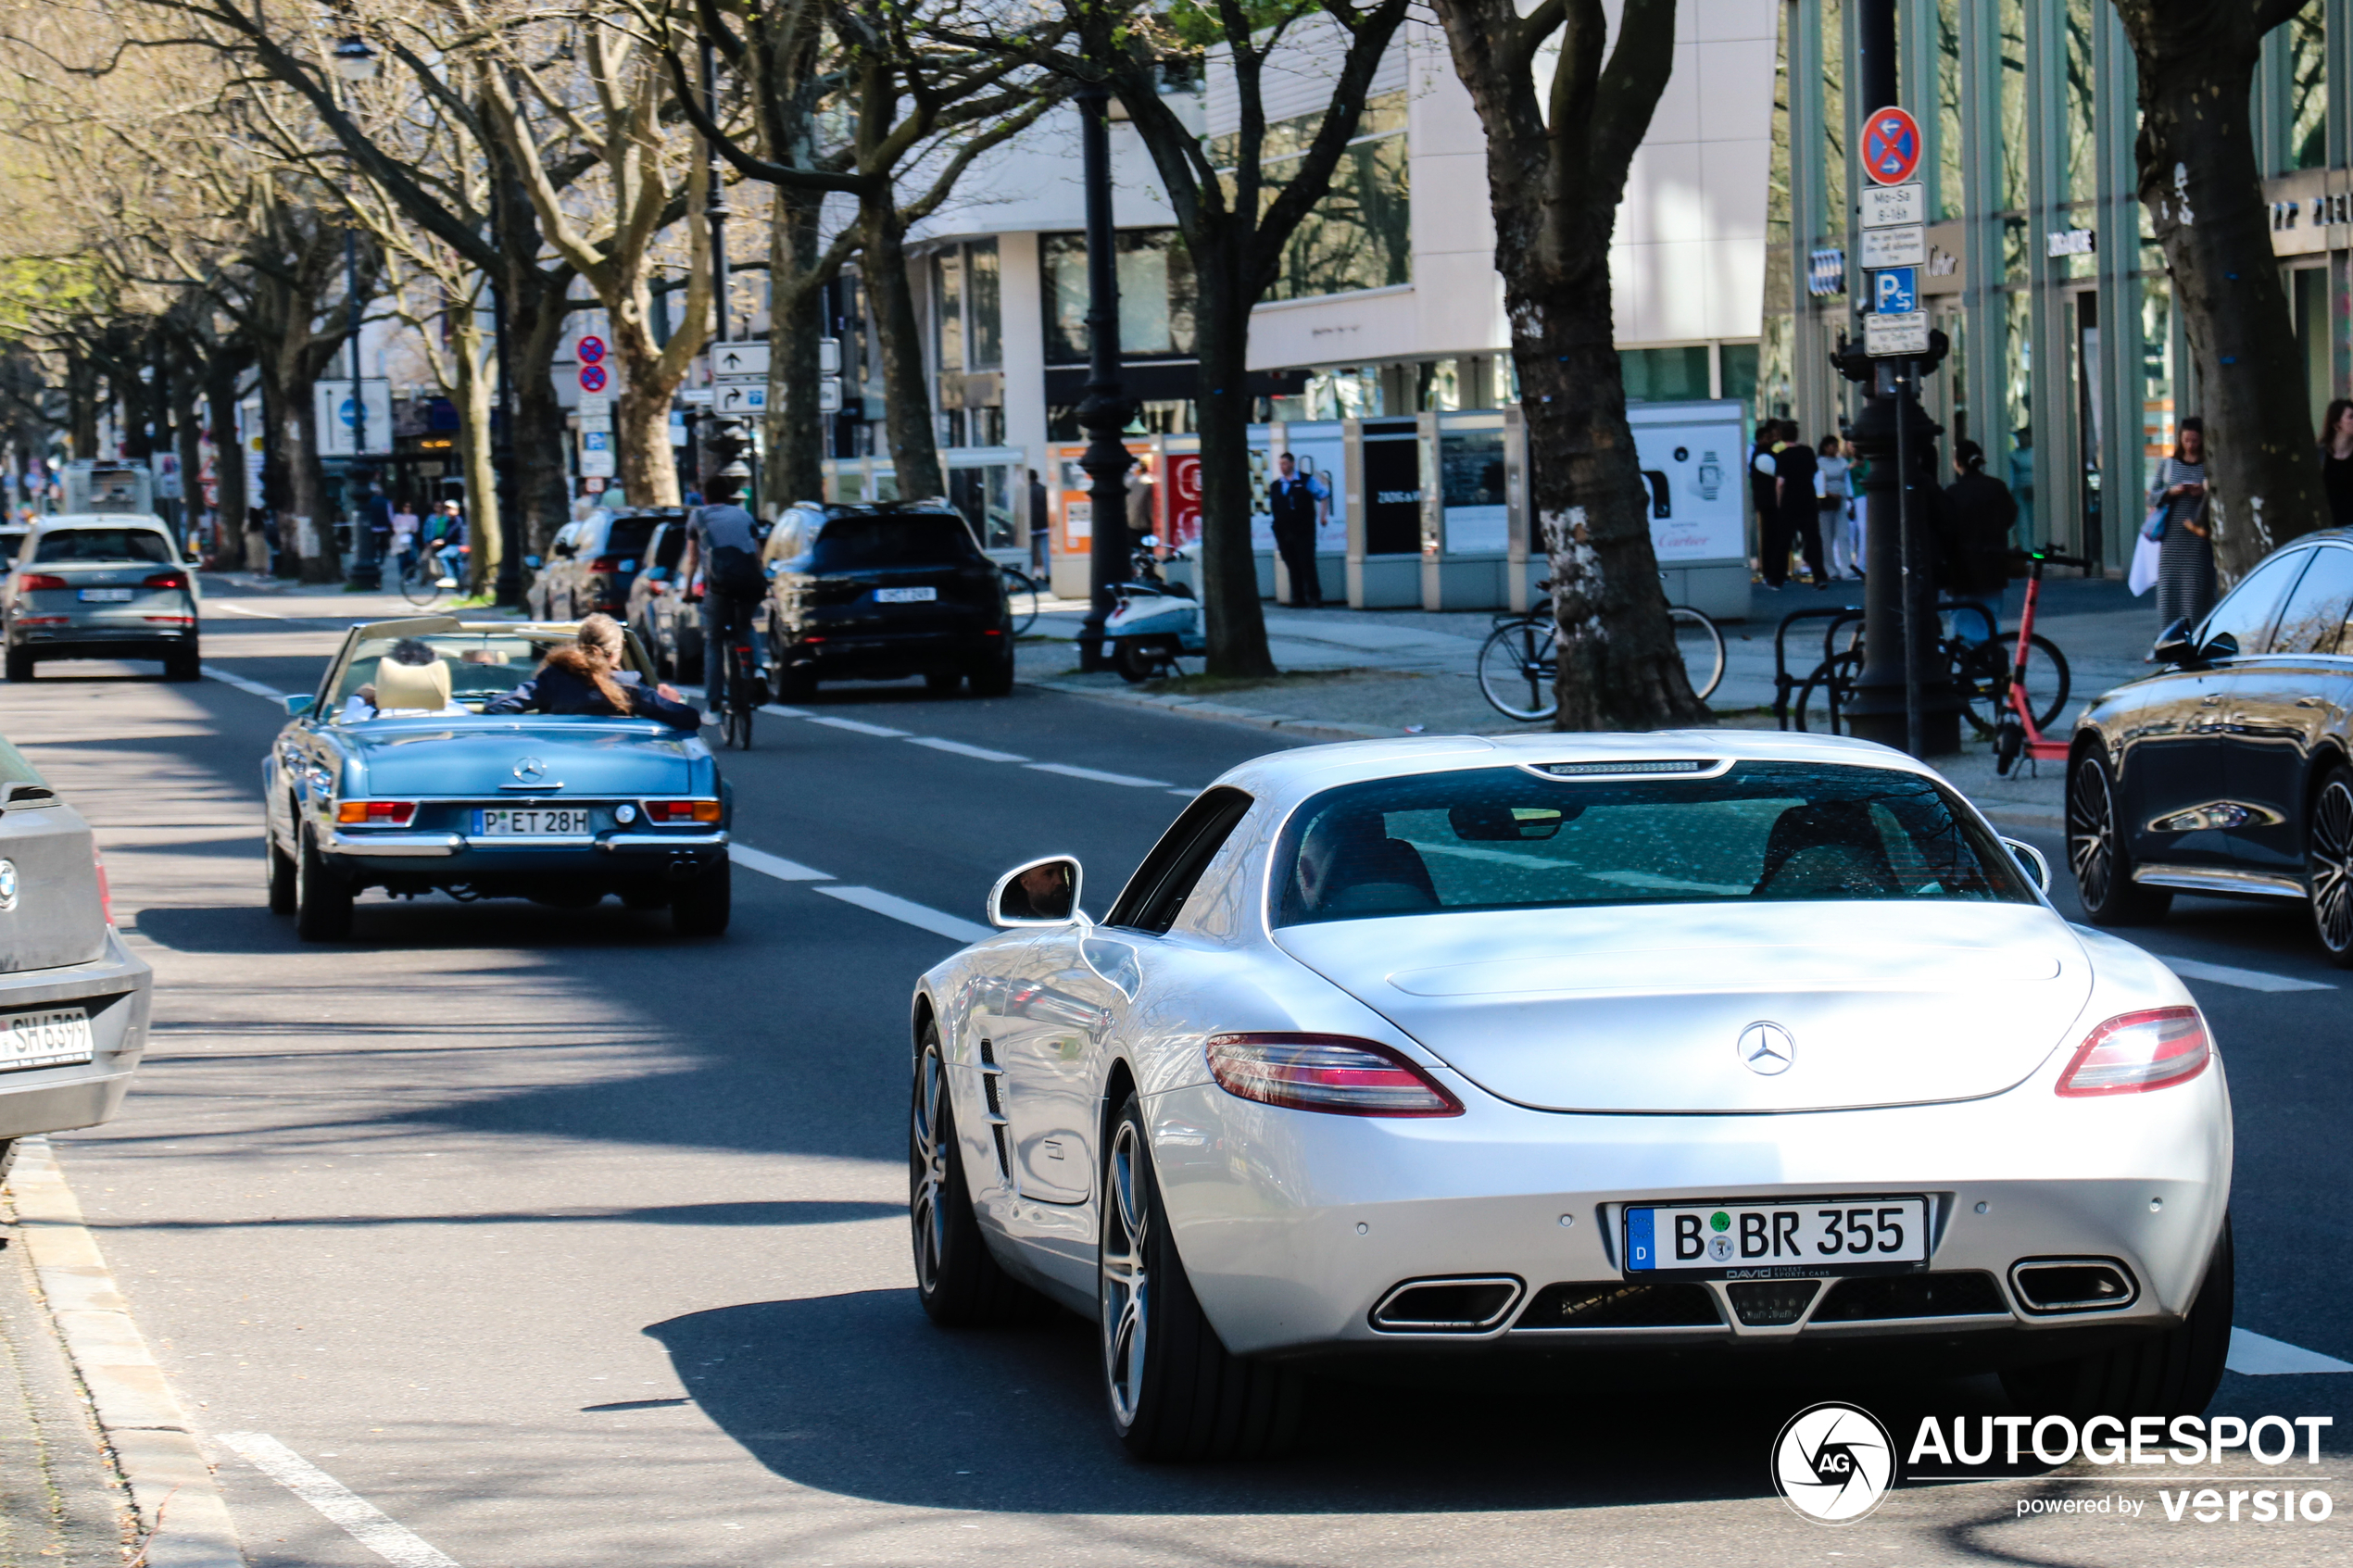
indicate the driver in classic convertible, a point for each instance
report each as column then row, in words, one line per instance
column 585, row 677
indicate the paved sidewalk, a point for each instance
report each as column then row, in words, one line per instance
column 60, row 1499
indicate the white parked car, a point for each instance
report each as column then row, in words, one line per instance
column 1604, row 1042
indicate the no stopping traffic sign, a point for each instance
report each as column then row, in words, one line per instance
column 1891, row 146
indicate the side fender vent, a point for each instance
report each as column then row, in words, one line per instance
column 990, row 1074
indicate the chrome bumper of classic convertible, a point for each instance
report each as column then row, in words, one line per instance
column 407, row 845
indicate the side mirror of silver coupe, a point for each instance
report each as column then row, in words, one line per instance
column 1039, row 893
column 2030, row 860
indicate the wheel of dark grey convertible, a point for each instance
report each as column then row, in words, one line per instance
column 2098, row 854
column 2174, row 1372
column 1175, row 1391
column 2328, row 865
column 958, row 1280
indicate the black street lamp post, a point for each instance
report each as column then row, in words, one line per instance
column 509, row 588
column 354, row 62
column 1105, row 410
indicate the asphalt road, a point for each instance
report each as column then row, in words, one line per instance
column 563, row 1241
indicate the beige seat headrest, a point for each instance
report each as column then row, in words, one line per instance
column 422, row 686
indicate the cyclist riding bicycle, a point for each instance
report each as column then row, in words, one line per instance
column 723, row 543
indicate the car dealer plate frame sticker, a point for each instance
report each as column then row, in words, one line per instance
column 1748, row 1239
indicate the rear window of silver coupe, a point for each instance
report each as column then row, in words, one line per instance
column 1509, row 839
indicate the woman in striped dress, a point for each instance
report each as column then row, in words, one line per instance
column 2185, row 565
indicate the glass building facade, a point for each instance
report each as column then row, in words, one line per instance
column 2068, row 362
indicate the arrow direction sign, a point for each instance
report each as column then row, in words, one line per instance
column 741, row 400
column 738, row 359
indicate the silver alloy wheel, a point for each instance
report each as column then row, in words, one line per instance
column 930, row 1208
column 1126, row 1275
column 2091, row 831
column 2331, row 857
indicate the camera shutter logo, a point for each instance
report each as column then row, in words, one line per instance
column 1833, row 1463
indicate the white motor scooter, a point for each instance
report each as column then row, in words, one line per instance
column 1154, row 622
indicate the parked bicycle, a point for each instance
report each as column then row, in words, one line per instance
column 423, row 578
column 1022, row 593
column 1517, row 667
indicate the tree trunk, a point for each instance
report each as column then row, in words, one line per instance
column 1620, row 667
column 1555, row 169
column 228, row 462
column 641, row 412
column 796, row 431
column 2199, row 182
column 187, row 432
column 1234, row 623
column 535, row 329
column 82, row 407
column 474, row 381
column 914, row 450
column 305, row 535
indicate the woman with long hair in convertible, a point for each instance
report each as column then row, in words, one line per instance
column 585, row 676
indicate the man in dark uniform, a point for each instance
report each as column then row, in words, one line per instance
column 1295, row 504
column 1800, row 509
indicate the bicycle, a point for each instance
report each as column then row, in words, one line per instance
column 739, row 693
column 1021, row 597
column 421, row 578
column 1519, row 658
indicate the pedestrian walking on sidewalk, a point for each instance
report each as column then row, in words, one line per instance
column 1833, row 488
column 1798, row 512
column 1980, row 511
column 2336, row 462
column 2185, row 565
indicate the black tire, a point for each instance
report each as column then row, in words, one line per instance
column 2328, row 863
column 2171, row 1373
column 1811, row 712
column 1981, row 670
column 699, row 906
column 645, row 896
column 795, row 682
column 1175, row 1391
column 322, row 897
column 994, row 679
column 277, row 874
column 1135, row 663
column 1702, row 646
column 2098, row 854
column 944, row 683
column 959, row 1283
column 185, row 664
column 20, row 664
column 1517, row 671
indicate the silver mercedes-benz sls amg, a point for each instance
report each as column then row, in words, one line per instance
column 1622, row 1042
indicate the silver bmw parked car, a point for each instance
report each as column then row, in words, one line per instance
column 101, row 585
column 1604, row 1043
column 73, row 1000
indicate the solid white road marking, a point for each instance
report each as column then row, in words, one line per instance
column 2258, row 1355
column 855, row 727
column 908, row 911
column 776, row 866
column 1184, row 793
column 781, row 711
column 266, row 693
column 1098, row 776
column 240, row 609
column 366, row 1523
column 959, row 748
column 2245, row 979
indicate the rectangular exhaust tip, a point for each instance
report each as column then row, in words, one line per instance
column 2072, row 1284
column 1470, row 1305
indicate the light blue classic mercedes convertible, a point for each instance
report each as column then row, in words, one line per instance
column 391, row 775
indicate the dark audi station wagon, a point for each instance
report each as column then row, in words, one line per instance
column 879, row 593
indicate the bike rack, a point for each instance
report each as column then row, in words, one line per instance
column 1840, row 616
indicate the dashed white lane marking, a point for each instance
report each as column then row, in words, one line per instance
column 364, row 1521
column 776, row 866
column 909, row 911
column 2245, row 979
column 1184, row 793
column 240, row 609
column 266, row 694
column 858, row 727
column 959, row 748
column 781, row 711
column 2258, row 1355
column 1098, row 776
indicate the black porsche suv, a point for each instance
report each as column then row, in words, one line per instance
column 882, row 592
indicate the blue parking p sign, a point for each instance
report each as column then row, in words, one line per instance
column 1895, row 290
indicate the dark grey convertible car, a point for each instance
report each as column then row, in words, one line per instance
column 2227, row 772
